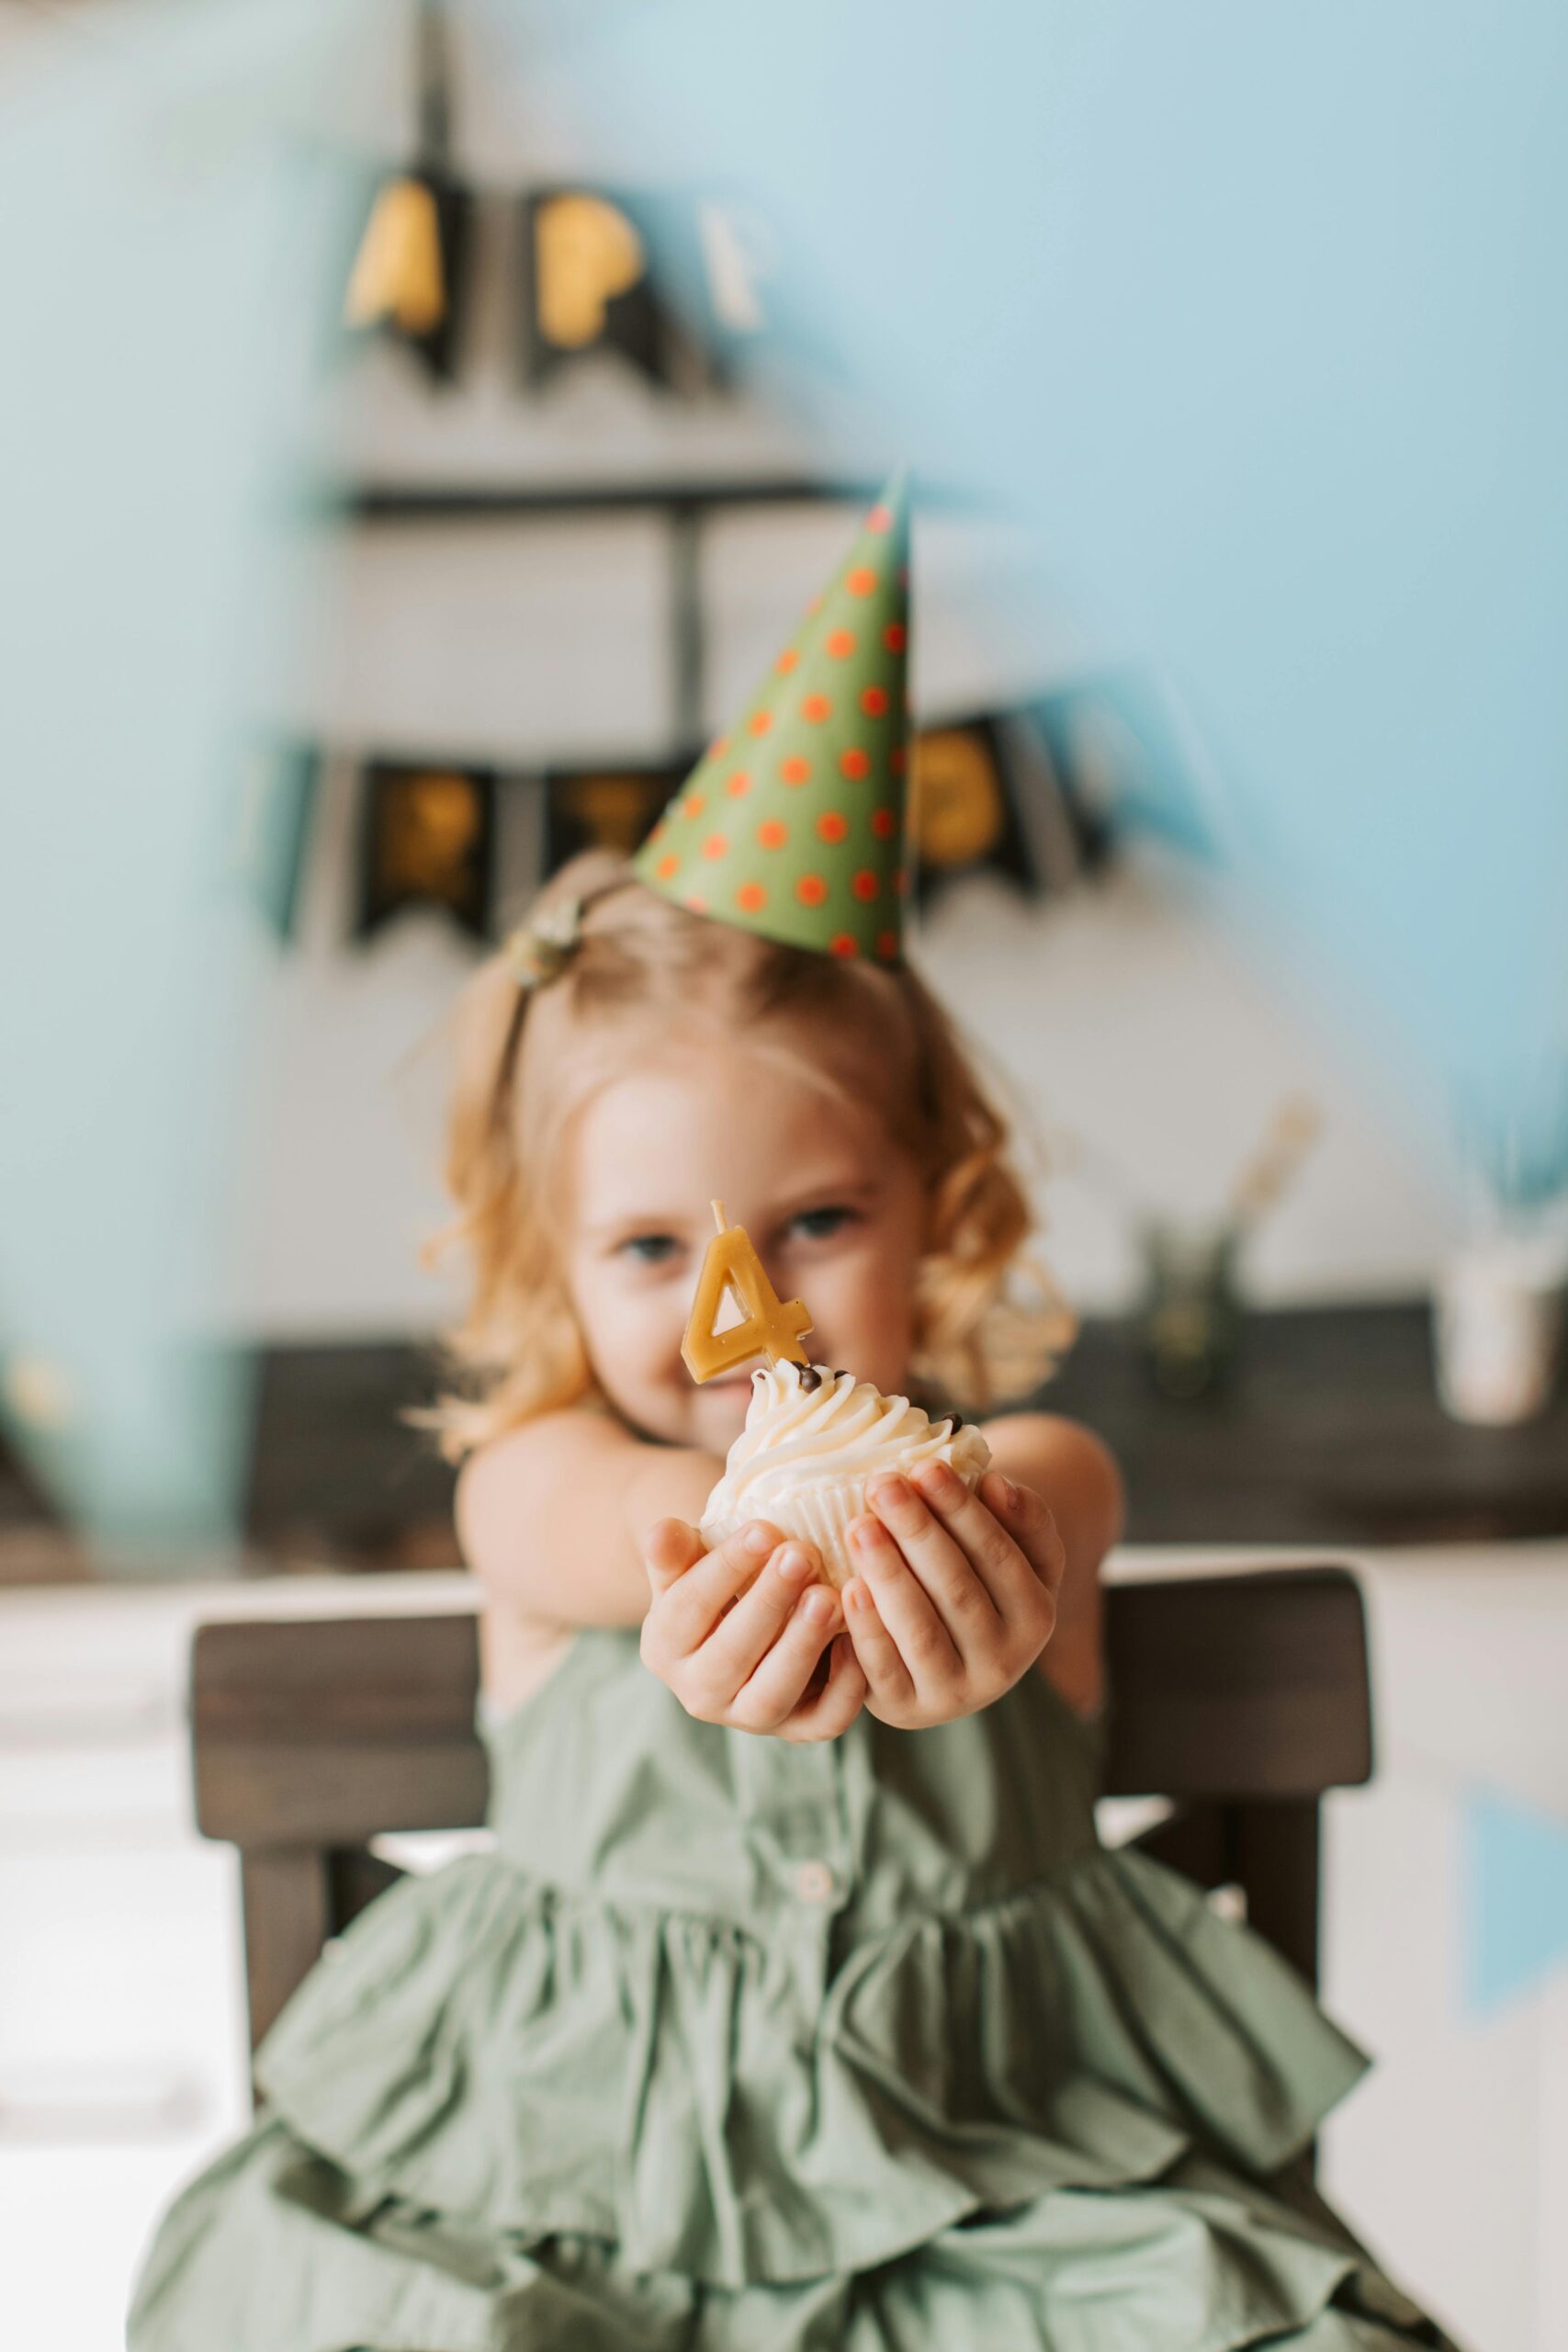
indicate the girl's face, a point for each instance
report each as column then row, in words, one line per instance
column 834, row 1209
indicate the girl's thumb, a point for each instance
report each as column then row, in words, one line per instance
column 669, row 1549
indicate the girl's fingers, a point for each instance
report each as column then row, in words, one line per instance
column 694, row 1598
column 944, row 1569
column 1033, row 1522
column 837, row 1705
column 669, row 1549
column 738, row 1642
column 902, row 1603
column 887, row 1676
column 777, row 1686
column 988, row 1527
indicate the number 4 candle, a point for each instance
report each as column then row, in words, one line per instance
column 771, row 1325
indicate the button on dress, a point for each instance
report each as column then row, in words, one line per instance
column 739, row 2045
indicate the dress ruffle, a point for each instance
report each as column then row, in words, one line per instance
column 274, row 2251
column 524, row 2061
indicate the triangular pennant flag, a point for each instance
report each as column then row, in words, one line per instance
column 1516, row 1896
column 963, row 814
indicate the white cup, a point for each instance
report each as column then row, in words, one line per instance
column 1497, row 1321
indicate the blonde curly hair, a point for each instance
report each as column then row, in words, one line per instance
column 526, row 1060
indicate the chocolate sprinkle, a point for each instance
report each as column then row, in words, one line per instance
column 810, row 1377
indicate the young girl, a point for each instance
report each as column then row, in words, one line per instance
column 798, row 2006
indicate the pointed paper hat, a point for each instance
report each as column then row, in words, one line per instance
column 792, row 824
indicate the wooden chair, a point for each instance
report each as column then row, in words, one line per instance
column 1242, row 1698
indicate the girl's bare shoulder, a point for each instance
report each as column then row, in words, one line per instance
column 528, row 1498
column 552, row 1449
column 552, row 1517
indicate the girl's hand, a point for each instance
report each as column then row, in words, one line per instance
column 738, row 1635
column 955, row 1595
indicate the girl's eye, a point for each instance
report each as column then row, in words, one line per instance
column 649, row 1248
column 817, row 1224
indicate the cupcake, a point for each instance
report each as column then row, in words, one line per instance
column 813, row 1441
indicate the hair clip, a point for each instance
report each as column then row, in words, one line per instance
column 536, row 952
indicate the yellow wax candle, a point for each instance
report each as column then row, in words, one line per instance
column 769, row 1325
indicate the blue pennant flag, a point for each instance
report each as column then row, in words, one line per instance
column 1516, row 1897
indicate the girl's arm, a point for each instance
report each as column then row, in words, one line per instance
column 551, row 1517
column 1076, row 1476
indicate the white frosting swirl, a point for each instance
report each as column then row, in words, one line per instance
column 842, row 1433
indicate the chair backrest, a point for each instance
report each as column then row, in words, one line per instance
column 1240, row 1697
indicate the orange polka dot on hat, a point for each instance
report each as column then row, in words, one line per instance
column 816, row 863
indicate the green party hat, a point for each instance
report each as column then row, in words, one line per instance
column 792, row 824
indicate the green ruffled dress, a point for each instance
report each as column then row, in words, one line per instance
column 733, row 2045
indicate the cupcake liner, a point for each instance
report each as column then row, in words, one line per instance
column 820, row 1513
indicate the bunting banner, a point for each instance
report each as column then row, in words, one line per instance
column 1123, row 758
column 410, row 266
column 274, row 811
column 613, row 810
column 962, row 817
column 987, row 798
column 588, row 286
column 427, row 841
